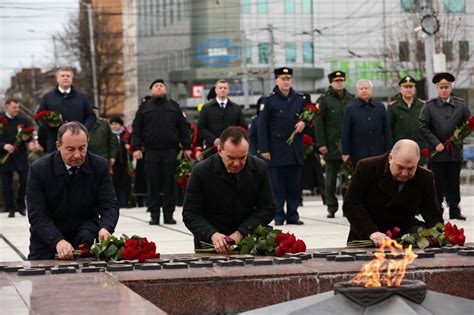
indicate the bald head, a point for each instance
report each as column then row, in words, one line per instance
column 404, row 159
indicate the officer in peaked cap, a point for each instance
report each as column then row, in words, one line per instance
column 332, row 105
column 404, row 112
column 278, row 118
column 337, row 76
column 439, row 120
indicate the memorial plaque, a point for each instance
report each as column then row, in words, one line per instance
column 201, row 264
column 263, row 262
column 119, row 267
column 178, row 265
column 32, row 272
column 185, row 259
column 63, row 270
column 90, row 269
column 323, row 254
column 344, row 258
column 466, row 253
column 425, row 254
column 151, row 266
column 364, row 257
column 12, row 268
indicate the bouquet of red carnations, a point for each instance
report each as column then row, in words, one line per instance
column 309, row 114
column 50, row 117
column 22, row 132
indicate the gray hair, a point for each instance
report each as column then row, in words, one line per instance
column 364, row 81
column 74, row 126
column 406, row 144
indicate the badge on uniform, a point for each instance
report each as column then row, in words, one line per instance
column 262, row 106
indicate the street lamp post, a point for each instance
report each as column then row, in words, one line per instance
column 95, row 89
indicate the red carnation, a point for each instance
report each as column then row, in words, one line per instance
column 307, row 140
column 280, row 237
column 426, row 152
column 298, row 247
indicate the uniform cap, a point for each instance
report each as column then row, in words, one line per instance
column 443, row 78
column 407, row 81
column 337, row 75
column 283, row 71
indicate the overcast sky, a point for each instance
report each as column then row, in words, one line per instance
column 26, row 29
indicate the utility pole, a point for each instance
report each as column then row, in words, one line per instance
column 245, row 75
column 95, row 90
column 271, row 57
column 55, row 50
column 430, row 25
column 384, row 43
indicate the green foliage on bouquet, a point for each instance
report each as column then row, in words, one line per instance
column 423, row 238
column 261, row 242
column 111, row 248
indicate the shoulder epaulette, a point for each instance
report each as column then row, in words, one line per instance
column 433, row 100
column 145, row 99
column 421, row 101
column 392, row 102
column 458, row 98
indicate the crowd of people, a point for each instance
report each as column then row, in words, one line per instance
column 243, row 175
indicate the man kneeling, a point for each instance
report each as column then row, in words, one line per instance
column 228, row 194
column 388, row 191
column 70, row 197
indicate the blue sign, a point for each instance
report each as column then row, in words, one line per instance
column 217, row 52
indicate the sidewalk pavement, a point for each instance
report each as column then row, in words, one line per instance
column 317, row 232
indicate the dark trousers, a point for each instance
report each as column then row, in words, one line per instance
column 286, row 181
column 332, row 168
column 446, row 175
column 160, row 167
column 7, row 182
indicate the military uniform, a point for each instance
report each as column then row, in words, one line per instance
column 404, row 122
column 276, row 122
column 438, row 121
column 328, row 127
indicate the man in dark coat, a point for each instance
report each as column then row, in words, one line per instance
column 70, row 197
column 438, row 121
column 365, row 128
column 388, row 191
column 17, row 160
column 228, row 194
column 72, row 104
column 404, row 112
column 328, row 125
column 219, row 114
column 278, row 119
column 160, row 126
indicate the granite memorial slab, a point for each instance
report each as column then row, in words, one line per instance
column 119, row 267
column 263, row 262
column 31, row 272
column 150, row 266
column 63, row 270
column 324, row 254
column 344, row 258
column 173, row 265
column 201, row 264
column 91, row 269
column 469, row 253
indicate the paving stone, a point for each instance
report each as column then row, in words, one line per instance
column 12, row 268
column 323, row 254
column 179, row 265
column 201, row 264
column 185, row 259
column 263, row 262
column 364, row 257
column 425, row 254
column 90, row 269
column 282, row 261
column 151, row 266
column 466, row 253
column 160, row 261
column 31, row 272
column 75, row 265
column 119, row 267
column 56, row 271
column 331, row 257
column 296, row 260
column 344, row 258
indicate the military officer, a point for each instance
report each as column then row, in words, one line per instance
column 277, row 120
column 332, row 105
column 438, row 120
column 403, row 115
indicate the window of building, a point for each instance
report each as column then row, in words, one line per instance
column 307, row 52
column 411, row 6
column 403, row 51
column 262, row 6
column 178, row 10
column 290, row 52
column 171, row 12
column 454, row 6
column 263, row 50
column 165, row 13
column 448, row 50
column 463, row 50
column 156, row 17
column 420, row 50
column 248, row 51
column 306, row 6
column 245, row 6
column 290, row 6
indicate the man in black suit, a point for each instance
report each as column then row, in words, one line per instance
column 228, row 194
column 219, row 114
column 70, row 197
column 72, row 104
column 17, row 160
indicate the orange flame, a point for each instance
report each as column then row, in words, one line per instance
column 383, row 272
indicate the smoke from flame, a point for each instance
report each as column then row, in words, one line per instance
column 385, row 272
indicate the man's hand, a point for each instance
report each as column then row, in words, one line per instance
column 439, row 147
column 64, row 250
column 323, row 149
column 137, row 155
column 266, row 155
column 345, row 158
column 220, row 245
column 9, row 148
column 299, row 127
column 378, row 238
column 236, row 236
column 103, row 234
column 217, row 142
column 111, row 162
column 188, row 154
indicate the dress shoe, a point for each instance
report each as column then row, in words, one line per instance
column 154, row 222
column 278, row 223
column 11, row 214
column 169, row 221
column 330, row 215
column 299, row 222
column 457, row 217
column 22, row 211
